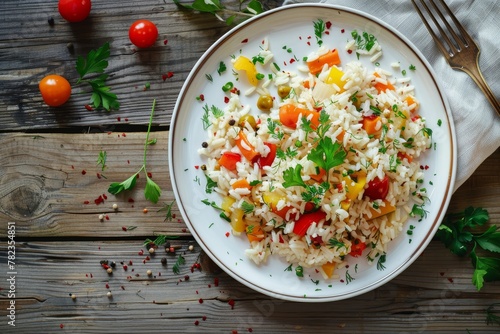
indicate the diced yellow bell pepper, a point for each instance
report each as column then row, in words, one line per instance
column 242, row 63
column 388, row 208
column 354, row 188
column 237, row 221
column 328, row 268
column 227, row 203
column 335, row 77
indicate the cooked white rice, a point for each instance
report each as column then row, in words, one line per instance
column 379, row 155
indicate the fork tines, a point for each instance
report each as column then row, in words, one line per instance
column 459, row 42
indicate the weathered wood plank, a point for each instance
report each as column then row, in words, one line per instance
column 31, row 49
column 46, row 179
column 43, row 190
column 420, row 299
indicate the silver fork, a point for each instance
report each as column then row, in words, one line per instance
column 461, row 53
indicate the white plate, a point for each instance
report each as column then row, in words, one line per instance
column 292, row 27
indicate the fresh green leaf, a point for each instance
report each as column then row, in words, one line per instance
column 247, row 207
column 152, row 192
column 118, row 187
column 211, row 184
column 489, row 240
column 101, row 159
column 327, row 154
column 292, row 177
column 96, row 62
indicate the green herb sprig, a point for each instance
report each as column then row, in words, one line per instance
column 95, row 63
column 152, row 191
column 229, row 16
column 458, row 234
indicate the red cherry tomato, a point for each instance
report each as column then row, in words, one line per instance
column 55, row 90
column 143, row 33
column 74, row 10
column 377, row 188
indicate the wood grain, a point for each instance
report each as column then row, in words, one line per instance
column 434, row 295
column 47, row 179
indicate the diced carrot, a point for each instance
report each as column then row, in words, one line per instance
column 383, row 210
column 331, row 58
column 410, row 100
column 229, row 160
column 319, row 176
column 255, row 233
column 289, row 116
column 246, row 148
column 340, row 136
column 370, row 124
column 382, row 87
column 328, row 268
column 243, row 183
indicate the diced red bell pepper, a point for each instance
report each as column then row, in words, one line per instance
column 229, row 160
column 357, row 248
column 377, row 188
column 303, row 223
column 269, row 158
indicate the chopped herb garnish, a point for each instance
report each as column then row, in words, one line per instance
column 222, row 68
column 381, row 261
column 439, row 122
column 412, row 67
column 334, row 243
column 364, row 41
column 211, row 184
column 319, row 29
column 101, row 159
column 209, row 77
column 180, row 261
column 160, row 240
column 168, row 210
column 299, row 271
column 289, row 268
column 348, row 277
column 247, row 207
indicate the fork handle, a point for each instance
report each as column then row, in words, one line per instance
column 475, row 73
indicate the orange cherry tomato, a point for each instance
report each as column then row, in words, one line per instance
column 55, row 90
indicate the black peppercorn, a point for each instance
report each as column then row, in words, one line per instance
column 164, row 261
column 51, row 21
column 204, row 144
column 232, row 122
column 203, row 167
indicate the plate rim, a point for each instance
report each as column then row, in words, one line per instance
column 451, row 173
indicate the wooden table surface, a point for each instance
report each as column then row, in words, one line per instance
column 48, row 171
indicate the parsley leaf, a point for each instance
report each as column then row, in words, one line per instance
column 152, row 191
column 327, row 154
column 458, row 235
column 293, row 178
column 96, row 62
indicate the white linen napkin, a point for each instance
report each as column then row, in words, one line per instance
column 476, row 122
